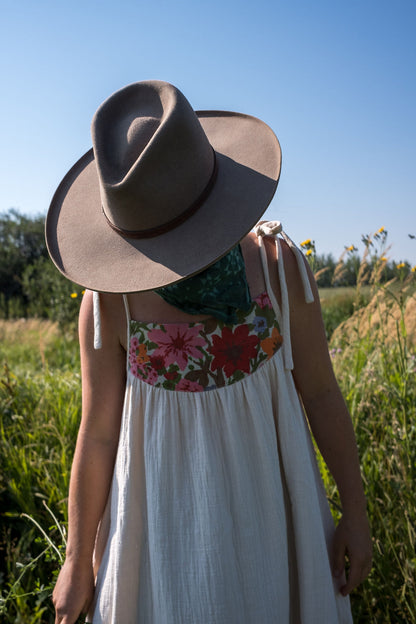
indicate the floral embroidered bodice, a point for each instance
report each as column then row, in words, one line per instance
column 194, row 357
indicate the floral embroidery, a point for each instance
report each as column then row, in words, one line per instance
column 260, row 324
column 176, row 343
column 233, row 351
column 197, row 357
column 189, row 386
column 272, row 344
column 157, row 362
column 141, row 354
column 264, row 300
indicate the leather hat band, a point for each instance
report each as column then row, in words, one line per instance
column 173, row 223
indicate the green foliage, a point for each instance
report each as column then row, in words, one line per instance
column 49, row 294
column 21, row 244
column 378, row 379
column 32, row 606
column 339, row 304
column 30, row 284
column 375, row 364
column 40, row 400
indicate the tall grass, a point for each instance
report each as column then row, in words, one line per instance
column 339, row 304
column 374, row 358
column 39, row 417
column 378, row 380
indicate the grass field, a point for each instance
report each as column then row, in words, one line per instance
column 39, row 416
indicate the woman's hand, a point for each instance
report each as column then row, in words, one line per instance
column 351, row 539
column 74, row 591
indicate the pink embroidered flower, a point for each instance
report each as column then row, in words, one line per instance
column 185, row 385
column 134, row 343
column 138, row 370
column 233, row 351
column 132, row 354
column 177, row 343
column 152, row 377
column 264, row 300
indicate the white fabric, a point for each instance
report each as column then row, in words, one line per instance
column 97, row 320
column 216, row 519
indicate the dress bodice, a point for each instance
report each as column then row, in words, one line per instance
column 203, row 355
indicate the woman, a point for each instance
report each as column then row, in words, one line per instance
column 195, row 495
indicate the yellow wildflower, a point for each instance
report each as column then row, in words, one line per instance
column 380, row 230
column 350, row 248
column 306, row 242
column 309, row 252
column 74, row 295
column 401, row 265
column 82, row 292
column 383, row 259
column 413, row 269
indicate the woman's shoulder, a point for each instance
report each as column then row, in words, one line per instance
column 110, row 304
column 288, row 261
column 110, row 313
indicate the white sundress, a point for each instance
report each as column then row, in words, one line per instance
column 217, row 513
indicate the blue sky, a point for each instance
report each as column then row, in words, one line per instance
column 335, row 80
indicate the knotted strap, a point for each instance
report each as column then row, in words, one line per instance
column 274, row 228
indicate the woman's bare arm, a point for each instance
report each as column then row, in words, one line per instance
column 330, row 423
column 103, row 383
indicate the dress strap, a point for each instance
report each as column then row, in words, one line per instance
column 97, row 319
column 128, row 317
column 274, row 228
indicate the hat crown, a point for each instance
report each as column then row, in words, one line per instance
column 152, row 155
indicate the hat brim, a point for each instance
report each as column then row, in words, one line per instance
column 89, row 252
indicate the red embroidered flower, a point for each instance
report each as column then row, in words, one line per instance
column 233, row 351
column 157, row 362
column 171, row 376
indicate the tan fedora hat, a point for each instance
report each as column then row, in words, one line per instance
column 164, row 192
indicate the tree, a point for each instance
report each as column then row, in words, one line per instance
column 22, row 242
column 30, row 285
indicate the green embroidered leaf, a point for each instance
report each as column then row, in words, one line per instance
column 238, row 375
column 168, row 385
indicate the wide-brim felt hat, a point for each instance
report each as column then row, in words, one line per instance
column 164, row 192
